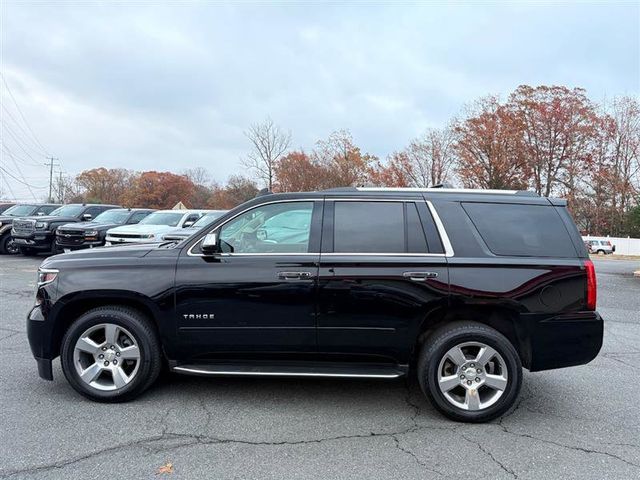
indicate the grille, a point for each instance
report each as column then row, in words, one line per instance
column 23, row 227
column 125, row 235
column 69, row 237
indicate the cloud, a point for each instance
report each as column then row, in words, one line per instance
column 175, row 87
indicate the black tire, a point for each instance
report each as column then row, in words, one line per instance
column 145, row 335
column 436, row 347
column 7, row 247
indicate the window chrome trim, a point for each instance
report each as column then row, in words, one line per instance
column 448, row 249
column 312, row 200
column 446, row 243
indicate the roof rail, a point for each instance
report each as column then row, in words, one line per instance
column 342, row 189
column 439, row 189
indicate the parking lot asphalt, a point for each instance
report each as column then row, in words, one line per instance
column 580, row 422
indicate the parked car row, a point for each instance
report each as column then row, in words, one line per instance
column 34, row 228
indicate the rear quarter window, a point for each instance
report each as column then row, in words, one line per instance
column 521, row 230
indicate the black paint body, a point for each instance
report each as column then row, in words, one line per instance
column 359, row 308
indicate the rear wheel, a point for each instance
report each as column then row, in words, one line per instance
column 470, row 372
column 111, row 354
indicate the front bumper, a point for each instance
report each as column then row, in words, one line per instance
column 37, row 241
column 559, row 341
column 37, row 331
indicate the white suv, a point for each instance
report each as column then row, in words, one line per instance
column 601, row 247
column 151, row 228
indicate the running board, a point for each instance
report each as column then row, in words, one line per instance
column 297, row 369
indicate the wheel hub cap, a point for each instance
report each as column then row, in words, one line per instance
column 106, row 357
column 472, row 376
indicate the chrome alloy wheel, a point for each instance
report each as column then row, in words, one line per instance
column 472, row 376
column 106, row 357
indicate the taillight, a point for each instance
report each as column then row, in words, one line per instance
column 592, row 286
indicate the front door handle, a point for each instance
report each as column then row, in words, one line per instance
column 419, row 276
column 294, row 275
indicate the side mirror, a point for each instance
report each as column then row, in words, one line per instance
column 210, row 244
column 188, row 223
column 40, row 214
column 86, row 217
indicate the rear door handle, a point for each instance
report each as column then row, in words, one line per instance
column 294, row 275
column 419, row 276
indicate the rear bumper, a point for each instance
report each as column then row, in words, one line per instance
column 560, row 341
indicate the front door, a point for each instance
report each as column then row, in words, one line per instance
column 259, row 294
column 382, row 270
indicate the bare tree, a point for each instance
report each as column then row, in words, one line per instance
column 198, row 175
column 269, row 144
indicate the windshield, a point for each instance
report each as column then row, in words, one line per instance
column 20, row 210
column 112, row 216
column 207, row 219
column 162, row 218
column 68, row 211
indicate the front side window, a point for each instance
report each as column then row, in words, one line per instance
column 136, row 217
column 273, row 228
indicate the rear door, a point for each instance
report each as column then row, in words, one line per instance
column 382, row 269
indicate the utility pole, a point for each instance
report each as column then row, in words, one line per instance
column 60, row 188
column 50, row 165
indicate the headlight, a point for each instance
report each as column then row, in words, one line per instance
column 41, row 225
column 46, row 275
column 91, row 233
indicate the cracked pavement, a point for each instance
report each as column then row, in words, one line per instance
column 580, row 422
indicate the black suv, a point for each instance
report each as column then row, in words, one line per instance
column 20, row 210
column 38, row 233
column 74, row 236
column 464, row 288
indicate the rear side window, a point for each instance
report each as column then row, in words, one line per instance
column 382, row 227
column 521, row 230
column 369, row 227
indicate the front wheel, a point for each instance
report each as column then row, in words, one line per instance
column 111, row 354
column 7, row 247
column 470, row 372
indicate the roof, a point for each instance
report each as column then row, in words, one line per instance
column 433, row 194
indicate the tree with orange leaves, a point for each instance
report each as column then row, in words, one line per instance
column 490, row 147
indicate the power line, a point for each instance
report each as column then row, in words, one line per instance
column 11, row 133
column 24, row 180
column 21, row 114
column 20, row 181
column 17, row 124
column 13, row 195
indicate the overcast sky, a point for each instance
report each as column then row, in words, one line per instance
column 170, row 88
